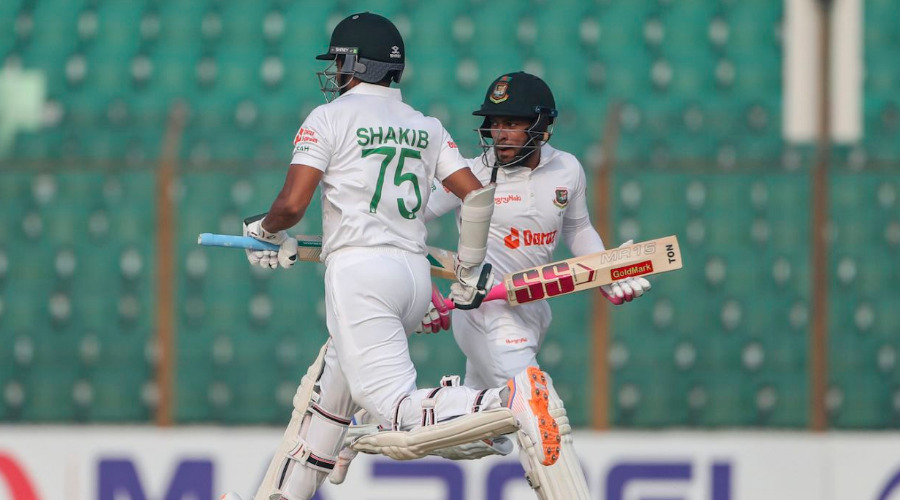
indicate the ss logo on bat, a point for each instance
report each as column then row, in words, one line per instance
column 548, row 281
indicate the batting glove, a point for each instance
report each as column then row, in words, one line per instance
column 438, row 316
column 286, row 255
column 472, row 285
column 626, row 290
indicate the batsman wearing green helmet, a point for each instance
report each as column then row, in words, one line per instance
column 540, row 201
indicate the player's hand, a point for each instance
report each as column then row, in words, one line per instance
column 438, row 316
column 627, row 289
column 471, row 286
column 286, row 255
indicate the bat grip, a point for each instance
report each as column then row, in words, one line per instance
column 443, row 312
column 498, row 292
column 230, row 241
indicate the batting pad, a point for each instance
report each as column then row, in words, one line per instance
column 271, row 484
column 500, row 445
column 563, row 480
column 419, row 442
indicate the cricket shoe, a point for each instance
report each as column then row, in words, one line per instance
column 529, row 399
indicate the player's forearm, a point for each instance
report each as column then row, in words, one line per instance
column 290, row 204
column 581, row 237
column 282, row 216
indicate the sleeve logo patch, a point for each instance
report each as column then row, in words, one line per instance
column 305, row 135
column 562, row 197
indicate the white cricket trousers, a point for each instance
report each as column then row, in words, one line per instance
column 373, row 296
column 500, row 340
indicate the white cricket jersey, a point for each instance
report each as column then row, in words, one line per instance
column 529, row 208
column 379, row 157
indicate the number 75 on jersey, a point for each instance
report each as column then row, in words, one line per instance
column 590, row 271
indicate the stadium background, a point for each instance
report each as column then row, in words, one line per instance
column 128, row 127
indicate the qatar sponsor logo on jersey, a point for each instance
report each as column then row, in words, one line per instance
column 562, row 197
column 510, row 198
column 528, row 238
column 305, row 135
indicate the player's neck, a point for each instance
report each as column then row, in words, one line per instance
column 534, row 159
column 356, row 81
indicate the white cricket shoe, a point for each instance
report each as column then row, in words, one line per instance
column 529, row 399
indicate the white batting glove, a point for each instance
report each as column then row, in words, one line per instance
column 472, row 285
column 627, row 289
column 438, row 316
column 286, row 255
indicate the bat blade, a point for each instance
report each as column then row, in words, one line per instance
column 441, row 263
column 590, row 271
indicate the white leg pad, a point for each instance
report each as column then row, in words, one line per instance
column 276, row 473
column 421, row 441
column 563, row 480
column 500, row 445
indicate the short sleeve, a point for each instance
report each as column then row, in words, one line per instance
column 313, row 144
column 449, row 158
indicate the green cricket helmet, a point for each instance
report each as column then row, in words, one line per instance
column 518, row 95
column 369, row 48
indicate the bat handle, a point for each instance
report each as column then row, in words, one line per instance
column 230, row 241
column 443, row 312
column 498, row 292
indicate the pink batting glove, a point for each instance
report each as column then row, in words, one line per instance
column 437, row 317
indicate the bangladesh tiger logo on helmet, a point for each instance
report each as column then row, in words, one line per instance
column 500, row 90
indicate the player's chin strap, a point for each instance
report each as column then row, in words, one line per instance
column 563, row 480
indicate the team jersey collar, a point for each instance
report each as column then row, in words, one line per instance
column 548, row 153
column 364, row 88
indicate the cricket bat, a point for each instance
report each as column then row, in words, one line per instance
column 585, row 272
column 590, row 271
column 309, row 249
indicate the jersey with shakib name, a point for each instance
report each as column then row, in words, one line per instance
column 529, row 208
column 379, row 157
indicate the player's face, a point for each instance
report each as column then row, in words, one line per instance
column 509, row 135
